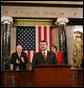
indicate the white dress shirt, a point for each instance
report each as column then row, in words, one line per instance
column 19, row 54
column 45, row 52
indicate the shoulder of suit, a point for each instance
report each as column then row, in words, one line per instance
column 51, row 52
column 37, row 53
column 14, row 53
column 23, row 53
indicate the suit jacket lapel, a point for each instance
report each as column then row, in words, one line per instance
column 17, row 55
column 47, row 56
column 41, row 56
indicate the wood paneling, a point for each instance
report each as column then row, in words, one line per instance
column 16, row 78
column 54, row 76
column 77, row 77
column 25, row 79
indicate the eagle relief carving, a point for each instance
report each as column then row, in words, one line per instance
column 78, row 48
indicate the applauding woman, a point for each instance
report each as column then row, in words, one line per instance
column 53, row 48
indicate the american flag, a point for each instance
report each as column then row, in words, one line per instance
column 29, row 38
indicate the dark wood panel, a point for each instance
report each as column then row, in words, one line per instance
column 16, row 78
column 80, row 78
column 77, row 77
column 25, row 79
column 2, row 79
column 52, row 76
column 10, row 79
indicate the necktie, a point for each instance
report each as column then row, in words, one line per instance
column 44, row 56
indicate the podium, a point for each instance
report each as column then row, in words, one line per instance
column 52, row 76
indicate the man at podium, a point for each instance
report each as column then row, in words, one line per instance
column 44, row 56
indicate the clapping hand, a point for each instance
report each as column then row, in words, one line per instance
column 18, row 62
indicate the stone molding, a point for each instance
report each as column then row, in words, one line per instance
column 6, row 19
column 41, row 12
column 62, row 21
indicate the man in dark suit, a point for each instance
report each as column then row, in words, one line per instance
column 19, row 59
column 44, row 56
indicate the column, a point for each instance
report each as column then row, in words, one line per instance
column 61, row 22
column 6, row 23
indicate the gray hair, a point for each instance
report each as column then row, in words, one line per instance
column 19, row 46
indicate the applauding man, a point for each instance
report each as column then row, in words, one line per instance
column 19, row 59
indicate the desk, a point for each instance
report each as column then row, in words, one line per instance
column 13, row 78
